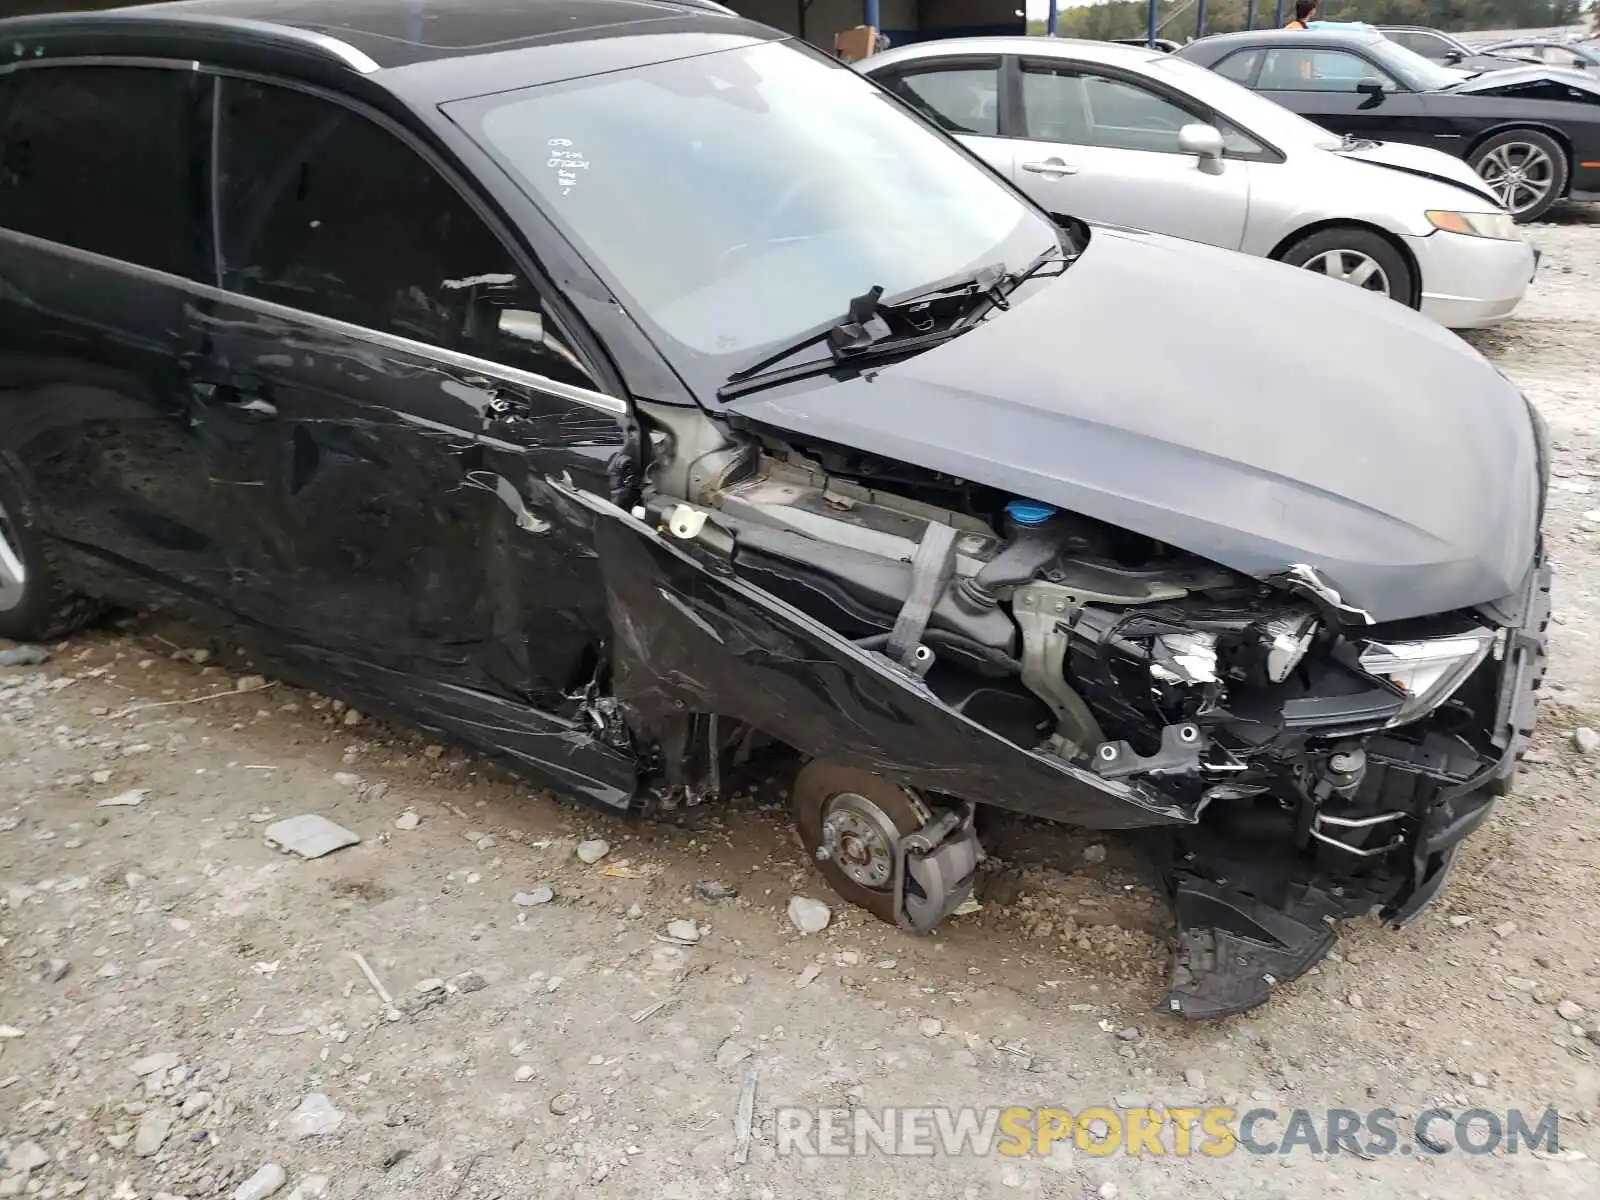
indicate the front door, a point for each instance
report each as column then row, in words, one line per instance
column 398, row 395
column 1104, row 147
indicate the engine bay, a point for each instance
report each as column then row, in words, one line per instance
column 1306, row 756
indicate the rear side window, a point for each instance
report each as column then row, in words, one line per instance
column 109, row 159
column 961, row 99
column 325, row 211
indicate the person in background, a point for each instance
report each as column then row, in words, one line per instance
column 1305, row 12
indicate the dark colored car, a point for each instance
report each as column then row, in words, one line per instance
column 1571, row 56
column 1532, row 133
column 1438, row 46
column 620, row 387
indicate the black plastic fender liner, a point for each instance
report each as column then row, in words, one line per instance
column 686, row 639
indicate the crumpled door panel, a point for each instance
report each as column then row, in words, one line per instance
column 688, row 640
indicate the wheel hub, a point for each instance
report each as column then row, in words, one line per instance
column 13, row 574
column 1520, row 173
column 1352, row 267
column 859, row 837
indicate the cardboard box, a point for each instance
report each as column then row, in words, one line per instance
column 852, row 45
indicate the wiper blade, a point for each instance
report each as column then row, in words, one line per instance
column 865, row 328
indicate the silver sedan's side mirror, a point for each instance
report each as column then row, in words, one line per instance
column 1205, row 143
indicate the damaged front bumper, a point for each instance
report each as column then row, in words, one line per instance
column 1248, row 920
column 1255, row 878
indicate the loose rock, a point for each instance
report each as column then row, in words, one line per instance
column 129, row 799
column 153, row 1130
column 808, row 976
column 1130, row 1034
column 539, row 895
column 262, row 1184
column 711, row 890
column 151, row 1063
column 312, row 1187
column 592, row 852
column 930, row 1027
column 808, row 915
column 469, row 981
column 1570, row 1010
column 315, row 1117
column 524, row 1073
column 310, row 836
column 54, row 970
column 1094, row 854
column 249, row 683
column 563, row 1103
column 1194, row 1078
column 28, row 1156
column 683, row 931
column 1585, row 740
column 407, row 820
column 24, row 656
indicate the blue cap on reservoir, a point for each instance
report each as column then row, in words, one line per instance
column 1030, row 512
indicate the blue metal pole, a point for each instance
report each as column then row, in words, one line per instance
column 1250, row 15
column 1200, row 19
column 1150, row 32
column 1053, row 19
column 872, row 13
column 1277, row 21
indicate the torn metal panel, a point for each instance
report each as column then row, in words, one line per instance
column 689, row 640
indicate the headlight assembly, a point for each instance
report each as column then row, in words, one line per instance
column 1497, row 225
column 1426, row 672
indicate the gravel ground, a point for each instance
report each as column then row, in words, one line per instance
column 182, row 1005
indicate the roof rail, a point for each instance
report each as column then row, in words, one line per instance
column 133, row 21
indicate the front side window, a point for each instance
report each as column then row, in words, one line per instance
column 1080, row 108
column 736, row 200
column 961, row 99
column 1294, row 69
column 110, row 160
column 323, row 210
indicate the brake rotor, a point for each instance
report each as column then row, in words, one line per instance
column 861, row 815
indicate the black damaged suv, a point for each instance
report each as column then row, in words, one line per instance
column 619, row 386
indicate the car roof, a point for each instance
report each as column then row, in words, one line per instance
column 1255, row 37
column 1081, row 49
column 373, row 35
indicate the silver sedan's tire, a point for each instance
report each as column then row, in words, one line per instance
column 1357, row 257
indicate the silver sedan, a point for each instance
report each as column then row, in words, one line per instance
column 1123, row 135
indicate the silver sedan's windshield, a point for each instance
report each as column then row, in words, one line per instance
column 737, row 199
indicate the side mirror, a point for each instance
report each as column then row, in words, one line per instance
column 1372, row 88
column 1452, row 57
column 1205, row 143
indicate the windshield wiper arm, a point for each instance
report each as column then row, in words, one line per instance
column 865, row 328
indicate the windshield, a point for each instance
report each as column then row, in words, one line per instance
column 736, row 199
column 1255, row 113
column 1410, row 68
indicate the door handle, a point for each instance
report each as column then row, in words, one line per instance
column 1050, row 166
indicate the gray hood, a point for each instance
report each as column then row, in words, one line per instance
column 1253, row 414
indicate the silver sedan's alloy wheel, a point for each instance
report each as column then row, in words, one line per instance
column 1352, row 267
column 1520, row 173
column 13, row 574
